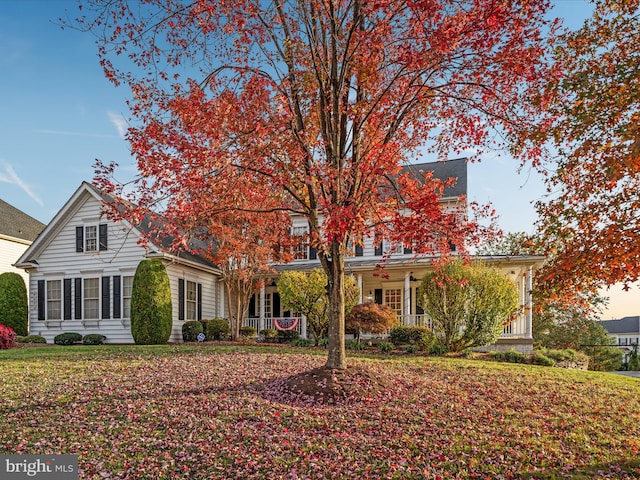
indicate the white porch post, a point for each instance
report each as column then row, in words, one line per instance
column 529, row 319
column 361, row 297
column 406, row 306
column 261, row 318
column 303, row 326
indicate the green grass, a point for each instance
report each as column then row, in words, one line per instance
column 206, row 412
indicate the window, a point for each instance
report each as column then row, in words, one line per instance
column 127, row 284
column 301, row 243
column 192, row 296
column 267, row 305
column 91, row 298
column 91, row 238
column 54, row 300
column 393, row 298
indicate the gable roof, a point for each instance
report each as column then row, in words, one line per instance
column 623, row 325
column 17, row 224
column 87, row 190
column 443, row 170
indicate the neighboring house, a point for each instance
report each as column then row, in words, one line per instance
column 625, row 332
column 81, row 272
column 17, row 231
column 82, row 266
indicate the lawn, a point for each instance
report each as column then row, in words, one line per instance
column 206, row 412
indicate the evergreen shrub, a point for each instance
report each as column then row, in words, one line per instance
column 217, row 329
column 191, row 330
column 14, row 304
column 93, row 339
column 151, row 317
column 67, row 338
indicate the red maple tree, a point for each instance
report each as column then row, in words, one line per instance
column 323, row 101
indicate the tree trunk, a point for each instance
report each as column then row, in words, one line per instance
column 337, row 358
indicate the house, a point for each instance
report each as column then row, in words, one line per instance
column 81, row 270
column 17, row 231
column 82, row 265
column 625, row 332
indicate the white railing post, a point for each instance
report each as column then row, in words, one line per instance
column 303, row 326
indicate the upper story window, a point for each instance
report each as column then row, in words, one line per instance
column 301, row 243
column 91, row 238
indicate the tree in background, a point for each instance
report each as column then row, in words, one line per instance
column 371, row 317
column 469, row 304
column 322, row 103
column 151, row 314
column 306, row 293
column 591, row 225
column 14, row 304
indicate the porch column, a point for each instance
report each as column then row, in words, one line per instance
column 360, row 295
column 406, row 305
column 303, row 326
column 529, row 299
column 261, row 318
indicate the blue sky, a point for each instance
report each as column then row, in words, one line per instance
column 58, row 114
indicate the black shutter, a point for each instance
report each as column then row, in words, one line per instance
column 199, row 301
column 359, row 250
column 276, row 305
column 408, row 250
column 252, row 306
column 313, row 254
column 67, row 298
column 377, row 296
column 106, row 297
column 41, row 300
column 78, row 298
column 180, row 299
column 102, row 236
column 116, row 296
column 79, row 239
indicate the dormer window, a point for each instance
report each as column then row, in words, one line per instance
column 91, row 238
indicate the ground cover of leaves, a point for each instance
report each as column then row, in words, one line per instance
column 234, row 414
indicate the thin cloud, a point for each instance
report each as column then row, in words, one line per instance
column 119, row 122
column 10, row 176
column 75, row 134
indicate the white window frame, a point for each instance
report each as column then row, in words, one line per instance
column 50, row 302
column 91, row 241
column 127, row 287
column 190, row 300
column 91, row 303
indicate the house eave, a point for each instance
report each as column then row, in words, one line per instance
column 176, row 259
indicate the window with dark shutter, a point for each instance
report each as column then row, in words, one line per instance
column 378, row 248
column 199, row 302
column 408, row 250
column 276, row 304
column 102, row 236
column 180, row 299
column 67, row 298
column 106, row 297
column 41, row 300
column 359, row 250
column 77, row 303
column 79, row 239
column 116, row 296
column 313, row 254
column 377, row 296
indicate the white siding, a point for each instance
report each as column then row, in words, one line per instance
column 10, row 252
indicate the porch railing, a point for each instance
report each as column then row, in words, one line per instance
column 516, row 329
column 268, row 322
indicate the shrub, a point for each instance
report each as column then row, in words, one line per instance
column 269, row 334
column 539, row 358
column 247, row 332
column 511, row 356
column 7, row 337
column 323, row 342
column 14, row 304
column 151, row 316
column 93, row 339
column 217, row 329
column 422, row 337
column 67, row 338
column 410, row 348
column 191, row 330
column 287, row 336
column 302, row 342
column 386, row 346
column 370, row 317
column 437, row 349
column 31, row 339
column 355, row 345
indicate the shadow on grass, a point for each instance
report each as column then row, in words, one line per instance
column 624, row 470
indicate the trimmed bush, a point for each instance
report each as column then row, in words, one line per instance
column 511, row 356
column 93, row 339
column 67, row 338
column 247, row 332
column 421, row 337
column 217, row 329
column 151, row 318
column 269, row 334
column 539, row 358
column 287, row 336
column 191, row 330
column 14, row 304
column 7, row 337
column 31, row 339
